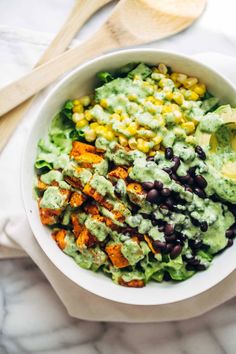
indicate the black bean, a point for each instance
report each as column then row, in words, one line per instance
column 171, row 238
column 175, row 251
column 203, row 226
column 169, row 229
column 159, row 245
column 167, row 276
column 190, row 267
column 184, row 179
column 191, row 171
column 233, row 209
column 148, row 185
column 158, row 185
column 200, row 267
column 169, row 202
column 167, row 170
column 200, row 181
column 230, row 242
column 161, row 228
column 178, row 199
column 229, row 233
column 188, row 189
column 169, row 247
column 154, row 222
column 176, row 160
column 200, row 193
column 150, row 158
column 169, row 153
column 174, row 177
column 164, row 207
column 195, row 222
column 166, row 192
column 193, row 261
column 145, row 216
column 200, row 152
column 190, row 181
column 152, row 196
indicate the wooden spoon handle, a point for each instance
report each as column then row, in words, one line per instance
column 80, row 13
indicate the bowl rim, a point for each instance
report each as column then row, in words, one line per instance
column 83, row 284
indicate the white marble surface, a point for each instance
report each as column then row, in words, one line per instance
column 32, row 319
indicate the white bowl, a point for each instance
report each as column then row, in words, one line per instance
column 82, row 81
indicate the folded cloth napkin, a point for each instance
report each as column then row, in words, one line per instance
column 17, row 240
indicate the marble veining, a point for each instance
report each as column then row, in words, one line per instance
column 32, row 320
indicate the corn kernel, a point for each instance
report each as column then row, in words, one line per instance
column 132, row 143
column 166, row 109
column 178, row 98
column 88, row 115
column 191, row 95
column 178, row 117
column 158, row 102
column 103, row 103
column 169, row 95
column 118, row 110
column 123, row 141
column 189, row 127
column 132, row 97
column 200, row 89
column 94, row 125
column 109, row 135
column 163, row 69
column 157, row 139
column 150, row 99
column 100, row 129
column 174, row 76
column 152, row 153
column 78, row 108
column 129, row 170
column 190, row 81
column 90, row 135
column 76, row 102
column 143, row 145
column 85, row 101
column 82, row 123
column 76, row 117
column 157, row 147
column 181, row 77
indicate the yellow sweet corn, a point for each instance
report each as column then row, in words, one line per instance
column 143, row 145
column 94, row 125
column 169, row 95
column 85, row 101
column 178, row 98
column 90, row 135
column 76, row 102
column 162, row 68
column 191, row 95
column 190, row 81
column 88, row 115
column 157, row 139
column 78, row 108
column 82, row 123
column 109, row 135
column 76, row 117
column 122, row 140
column 200, row 89
column 116, row 116
column 132, row 143
column 103, row 103
column 189, row 127
column 132, row 97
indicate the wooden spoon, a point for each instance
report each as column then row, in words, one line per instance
column 131, row 22
column 81, row 12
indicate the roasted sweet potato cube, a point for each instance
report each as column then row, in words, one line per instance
column 105, row 220
column 135, row 188
column 149, row 242
column 91, row 192
column 118, row 173
column 73, row 181
column 41, row 186
column 79, row 148
column 88, row 159
column 85, row 238
column 59, row 237
column 49, row 216
column 77, row 227
column 136, row 283
column 91, row 209
column 115, row 255
column 77, row 199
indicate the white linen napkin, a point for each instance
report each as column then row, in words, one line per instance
column 21, row 49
